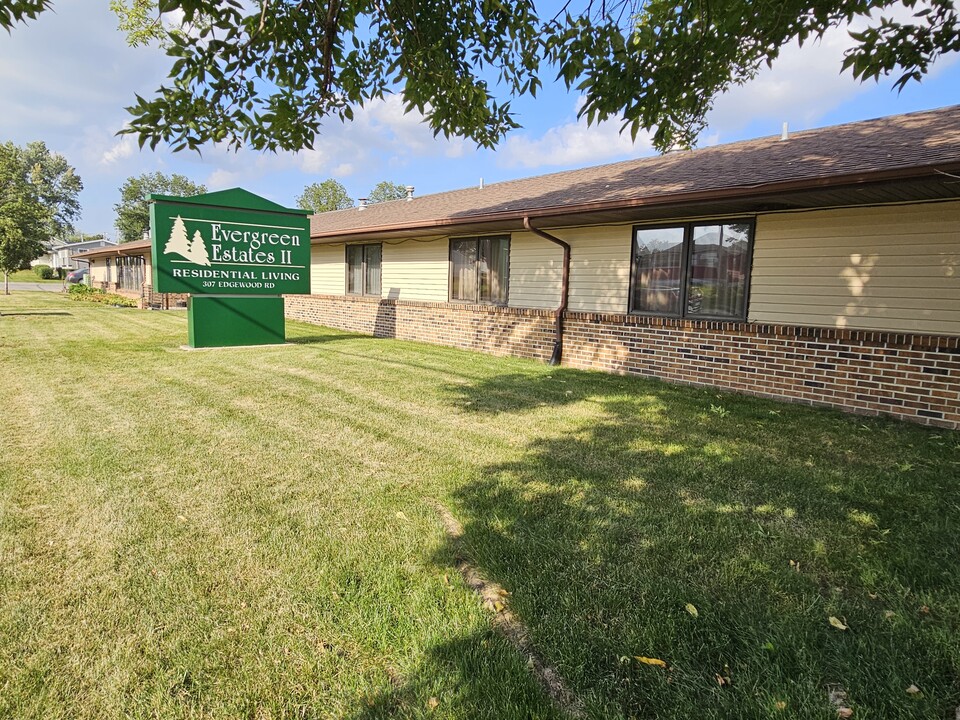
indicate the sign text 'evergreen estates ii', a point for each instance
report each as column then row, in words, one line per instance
column 205, row 248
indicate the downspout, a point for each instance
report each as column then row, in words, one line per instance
column 559, row 313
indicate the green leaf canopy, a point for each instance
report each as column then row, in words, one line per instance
column 267, row 74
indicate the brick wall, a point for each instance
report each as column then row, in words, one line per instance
column 112, row 287
column 494, row 330
column 149, row 298
column 912, row 377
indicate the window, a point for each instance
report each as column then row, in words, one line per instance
column 692, row 270
column 129, row 272
column 479, row 269
column 363, row 269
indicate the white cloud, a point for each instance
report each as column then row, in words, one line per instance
column 221, row 179
column 573, row 143
column 380, row 133
column 804, row 84
column 123, row 148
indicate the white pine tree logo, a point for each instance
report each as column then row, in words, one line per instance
column 195, row 251
column 198, row 250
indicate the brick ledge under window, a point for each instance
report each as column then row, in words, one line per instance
column 471, row 307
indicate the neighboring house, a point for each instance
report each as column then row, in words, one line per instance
column 823, row 267
column 60, row 254
column 50, row 254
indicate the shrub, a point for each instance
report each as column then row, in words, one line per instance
column 44, row 272
column 82, row 292
column 91, row 294
column 62, row 273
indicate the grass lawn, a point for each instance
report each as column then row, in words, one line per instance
column 251, row 533
column 28, row 276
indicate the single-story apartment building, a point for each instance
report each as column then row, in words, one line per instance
column 820, row 266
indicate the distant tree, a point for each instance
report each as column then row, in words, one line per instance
column 24, row 218
column 83, row 237
column 386, row 190
column 57, row 185
column 324, row 197
column 133, row 210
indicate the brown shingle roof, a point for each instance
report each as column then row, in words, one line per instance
column 902, row 146
column 137, row 247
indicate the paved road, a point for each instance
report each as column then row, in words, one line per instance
column 44, row 287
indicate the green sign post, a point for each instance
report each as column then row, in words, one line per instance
column 235, row 253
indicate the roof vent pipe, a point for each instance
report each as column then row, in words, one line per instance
column 363, row 204
column 409, row 193
column 481, row 183
column 785, row 133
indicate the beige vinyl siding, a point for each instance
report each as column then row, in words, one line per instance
column 536, row 272
column 147, row 269
column 599, row 267
column 894, row 268
column 327, row 269
column 98, row 270
column 416, row 270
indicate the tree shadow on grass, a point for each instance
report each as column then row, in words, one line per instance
column 320, row 338
column 478, row 676
column 7, row 313
column 765, row 518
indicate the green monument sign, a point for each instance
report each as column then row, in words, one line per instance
column 235, row 253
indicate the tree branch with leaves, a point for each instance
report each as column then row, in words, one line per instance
column 268, row 74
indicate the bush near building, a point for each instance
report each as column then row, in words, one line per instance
column 85, row 292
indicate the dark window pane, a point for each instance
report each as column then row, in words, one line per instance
column 658, row 270
column 354, row 269
column 716, row 284
column 463, row 270
column 372, row 257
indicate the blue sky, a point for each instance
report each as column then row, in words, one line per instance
column 66, row 78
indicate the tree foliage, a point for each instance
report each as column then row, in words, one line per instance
column 83, row 237
column 133, row 210
column 57, row 185
column 325, row 196
column 267, row 73
column 664, row 74
column 386, row 190
column 19, row 11
column 24, row 218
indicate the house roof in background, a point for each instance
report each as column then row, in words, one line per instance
column 101, row 242
column 138, row 247
column 890, row 159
